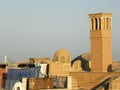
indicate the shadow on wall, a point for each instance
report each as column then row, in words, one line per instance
column 109, row 69
column 3, row 79
column 84, row 63
column 102, row 86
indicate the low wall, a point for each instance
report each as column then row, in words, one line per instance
column 88, row 80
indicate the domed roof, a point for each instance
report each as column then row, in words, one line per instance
column 62, row 52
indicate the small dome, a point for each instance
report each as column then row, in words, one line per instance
column 62, row 52
column 62, row 56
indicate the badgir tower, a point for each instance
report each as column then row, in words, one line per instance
column 101, row 43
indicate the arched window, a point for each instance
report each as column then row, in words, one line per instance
column 104, row 23
column 18, row 88
column 107, row 23
column 77, row 65
column 96, row 24
column 62, row 59
column 68, row 59
column 100, row 23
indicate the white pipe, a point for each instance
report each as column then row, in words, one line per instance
column 5, row 59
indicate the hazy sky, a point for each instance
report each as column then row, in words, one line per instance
column 37, row 28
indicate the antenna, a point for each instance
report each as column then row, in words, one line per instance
column 5, row 59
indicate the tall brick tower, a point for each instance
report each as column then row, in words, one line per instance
column 101, row 42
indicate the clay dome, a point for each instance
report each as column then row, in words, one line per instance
column 62, row 55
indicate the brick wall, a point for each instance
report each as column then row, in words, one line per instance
column 58, row 69
column 40, row 83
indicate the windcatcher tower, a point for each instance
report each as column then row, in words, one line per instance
column 101, row 43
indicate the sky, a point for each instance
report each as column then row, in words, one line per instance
column 38, row 28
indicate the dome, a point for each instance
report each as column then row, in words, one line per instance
column 62, row 56
column 62, row 52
